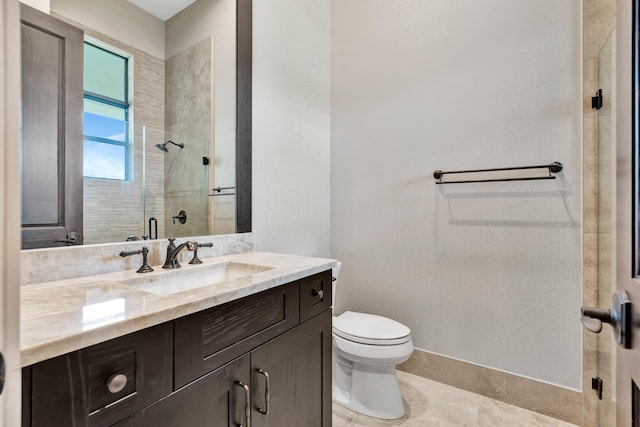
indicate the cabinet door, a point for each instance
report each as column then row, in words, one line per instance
column 297, row 365
column 216, row 400
column 51, row 140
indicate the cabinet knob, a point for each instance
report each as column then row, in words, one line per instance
column 116, row 383
column 318, row 293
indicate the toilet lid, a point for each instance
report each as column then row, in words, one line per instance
column 370, row 329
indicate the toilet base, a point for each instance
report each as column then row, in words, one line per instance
column 363, row 394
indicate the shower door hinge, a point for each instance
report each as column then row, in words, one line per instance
column 596, row 101
column 205, row 161
column 596, row 384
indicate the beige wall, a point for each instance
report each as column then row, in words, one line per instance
column 119, row 20
column 487, row 273
column 291, row 120
column 42, row 5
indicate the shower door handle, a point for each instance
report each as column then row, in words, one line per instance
column 619, row 317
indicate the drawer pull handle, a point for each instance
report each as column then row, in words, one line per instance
column 116, row 383
column 247, row 404
column 318, row 293
column 267, row 393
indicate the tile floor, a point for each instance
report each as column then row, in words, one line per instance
column 432, row 404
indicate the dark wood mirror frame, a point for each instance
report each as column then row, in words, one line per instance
column 635, row 133
column 243, row 115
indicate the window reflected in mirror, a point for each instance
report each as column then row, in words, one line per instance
column 106, row 112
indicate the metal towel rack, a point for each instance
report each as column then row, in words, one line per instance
column 554, row 167
column 218, row 191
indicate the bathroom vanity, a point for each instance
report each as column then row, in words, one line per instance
column 256, row 347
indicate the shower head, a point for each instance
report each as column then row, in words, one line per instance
column 163, row 146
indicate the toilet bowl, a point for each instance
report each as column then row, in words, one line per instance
column 366, row 350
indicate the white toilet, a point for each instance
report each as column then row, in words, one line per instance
column 366, row 350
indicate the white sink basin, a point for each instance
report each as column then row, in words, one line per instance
column 167, row 282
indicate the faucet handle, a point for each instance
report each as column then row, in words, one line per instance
column 144, row 268
column 197, row 245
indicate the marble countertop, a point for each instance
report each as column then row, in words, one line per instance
column 66, row 315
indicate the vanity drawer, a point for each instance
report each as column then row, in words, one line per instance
column 315, row 295
column 208, row 339
column 88, row 387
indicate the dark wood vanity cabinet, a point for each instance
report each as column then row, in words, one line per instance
column 254, row 357
column 95, row 386
column 295, row 367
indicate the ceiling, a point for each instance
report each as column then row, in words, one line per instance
column 162, row 9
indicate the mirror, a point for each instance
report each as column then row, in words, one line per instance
column 188, row 160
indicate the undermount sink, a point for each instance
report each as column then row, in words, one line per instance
column 163, row 282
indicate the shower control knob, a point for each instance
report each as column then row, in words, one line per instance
column 181, row 217
column 619, row 317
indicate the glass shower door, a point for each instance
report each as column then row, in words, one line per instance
column 600, row 350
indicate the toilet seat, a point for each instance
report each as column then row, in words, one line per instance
column 370, row 329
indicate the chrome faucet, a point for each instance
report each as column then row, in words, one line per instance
column 173, row 251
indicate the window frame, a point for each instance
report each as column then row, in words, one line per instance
column 124, row 105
